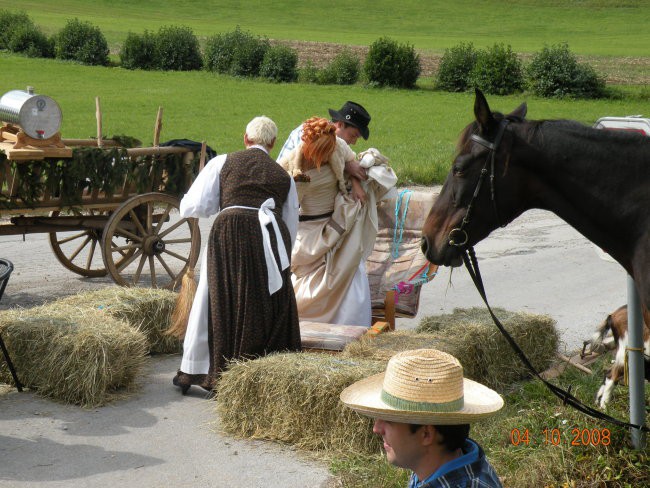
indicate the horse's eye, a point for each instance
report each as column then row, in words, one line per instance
column 458, row 171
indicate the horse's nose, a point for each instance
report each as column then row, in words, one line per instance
column 424, row 245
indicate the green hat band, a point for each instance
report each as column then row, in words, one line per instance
column 408, row 405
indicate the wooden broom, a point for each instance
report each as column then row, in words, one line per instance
column 183, row 305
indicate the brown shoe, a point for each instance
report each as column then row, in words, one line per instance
column 184, row 381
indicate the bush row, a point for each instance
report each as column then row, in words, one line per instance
column 553, row 72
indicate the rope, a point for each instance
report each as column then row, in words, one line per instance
column 626, row 371
column 399, row 223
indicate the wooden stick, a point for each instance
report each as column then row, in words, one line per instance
column 575, row 365
column 98, row 116
column 157, row 128
column 202, row 157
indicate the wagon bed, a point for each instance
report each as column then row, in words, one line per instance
column 107, row 209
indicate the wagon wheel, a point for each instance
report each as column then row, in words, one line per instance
column 146, row 242
column 78, row 250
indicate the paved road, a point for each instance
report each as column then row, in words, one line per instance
column 156, row 438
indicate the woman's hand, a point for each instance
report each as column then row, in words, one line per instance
column 358, row 192
column 355, row 170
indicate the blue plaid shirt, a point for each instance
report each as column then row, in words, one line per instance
column 471, row 470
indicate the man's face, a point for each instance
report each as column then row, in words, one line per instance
column 349, row 134
column 401, row 445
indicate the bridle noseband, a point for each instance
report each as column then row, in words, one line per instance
column 458, row 236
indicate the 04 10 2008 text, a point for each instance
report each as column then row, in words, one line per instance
column 554, row 437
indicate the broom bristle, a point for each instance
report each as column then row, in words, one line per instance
column 183, row 305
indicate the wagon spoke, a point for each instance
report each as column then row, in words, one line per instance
column 71, row 238
column 178, row 241
column 128, row 247
column 79, row 249
column 120, row 266
column 177, row 256
column 162, row 219
column 91, row 253
column 167, row 268
column 122, row 232
column 137, row 222
column 149, row 217
column 152, row 266
column 136, row 277
column 172, row 228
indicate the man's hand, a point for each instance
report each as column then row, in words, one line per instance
column 355, row 170
column 358, row 192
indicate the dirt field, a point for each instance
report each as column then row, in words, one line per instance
column 620, row 70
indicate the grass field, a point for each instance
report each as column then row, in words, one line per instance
column 597, row 27
column 416, row 129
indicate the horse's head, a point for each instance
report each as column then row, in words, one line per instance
column 470, row 204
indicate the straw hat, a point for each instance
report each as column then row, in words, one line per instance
column 422, row 386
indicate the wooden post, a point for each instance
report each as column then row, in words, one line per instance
column 98, row 116
column 202, row 157
column 157, row 128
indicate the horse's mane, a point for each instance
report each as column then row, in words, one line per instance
column 535, row 131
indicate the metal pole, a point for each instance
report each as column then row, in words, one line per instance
column 635, row 363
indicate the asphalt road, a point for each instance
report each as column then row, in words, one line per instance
column 157, row 438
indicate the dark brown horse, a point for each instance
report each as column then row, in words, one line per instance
column 596, row 180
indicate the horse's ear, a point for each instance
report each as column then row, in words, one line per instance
column 520, row 111
column 482, row 109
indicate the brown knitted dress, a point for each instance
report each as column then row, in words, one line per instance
column 244, row 320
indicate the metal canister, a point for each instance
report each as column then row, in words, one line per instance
column 37, row 115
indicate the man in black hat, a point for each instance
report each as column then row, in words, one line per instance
column 351, row 122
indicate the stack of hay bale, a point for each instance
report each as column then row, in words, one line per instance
column 85, row 348
column 294, row 397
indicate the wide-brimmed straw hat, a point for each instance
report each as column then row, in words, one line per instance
column 422, row 386
column 354, row 114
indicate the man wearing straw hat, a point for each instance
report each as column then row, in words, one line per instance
column 422, row 408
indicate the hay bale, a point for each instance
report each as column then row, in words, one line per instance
column 434, row 323
column 294, row 398
column 485, row 354
column 147, row 309
column 76, row 355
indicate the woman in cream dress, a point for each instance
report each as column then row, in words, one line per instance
column 337, row 229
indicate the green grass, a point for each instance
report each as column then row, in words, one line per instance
column 416, row 129
column 548, row 459
column 596, row 27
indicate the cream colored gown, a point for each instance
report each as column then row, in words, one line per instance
column 328, row 259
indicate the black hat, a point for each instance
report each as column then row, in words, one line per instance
column 353, row 114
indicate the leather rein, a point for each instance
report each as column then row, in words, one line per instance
column 471, row 263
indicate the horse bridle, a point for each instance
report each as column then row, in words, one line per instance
column 492, row 146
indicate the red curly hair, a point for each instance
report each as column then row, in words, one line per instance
column 319, row 140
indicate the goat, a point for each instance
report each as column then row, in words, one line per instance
column 612, row 334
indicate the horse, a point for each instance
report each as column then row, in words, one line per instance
column 596, row 180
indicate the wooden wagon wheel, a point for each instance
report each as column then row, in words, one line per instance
column 78, row 250
column 146, row 242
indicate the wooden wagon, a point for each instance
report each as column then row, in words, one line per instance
column 107, row 208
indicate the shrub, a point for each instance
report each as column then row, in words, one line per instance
column 498, row 71
column 139, row 51
column 308, row 73
column 177, row 49
column 456, row 65
column 29, row 40
column 391, row 64
column 9, row 23
column 237, row 53
column 555, row 72
column 342, row 70
column 280, row 64
column 83, row 42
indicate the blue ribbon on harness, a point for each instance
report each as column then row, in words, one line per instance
column 399, row 222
